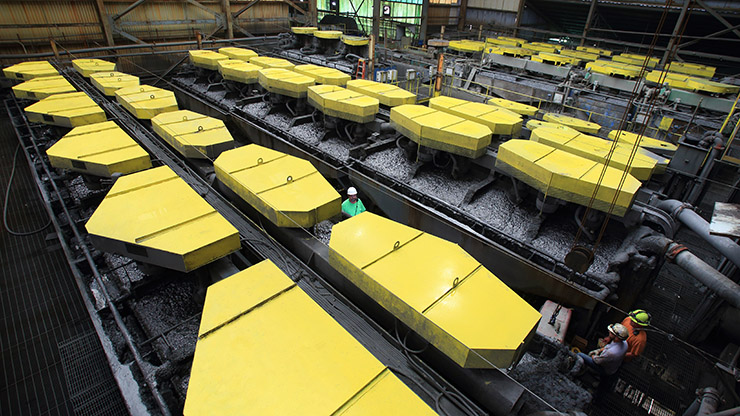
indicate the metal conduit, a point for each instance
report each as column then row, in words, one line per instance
column 700, row 226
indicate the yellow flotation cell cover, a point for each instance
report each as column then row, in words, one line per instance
column 688, row 68
column 555, row 59
column 192, row 134
column 239, row 71
column 442, row 131
column 323, row 75
column 648, row 143
column 71, row 109
column 110, row 82
column 355, row 40
column 499, row 120
column 146, row 101
column 434, row 287
column 155, row 217
column 240, row 54
column 389, row 95
column 466, row 45
column 328, row 34
column 99, row 149
column 40, row 88
column 594, row 50
column 596, row 149
column 566, row 176
column 285, row 82
column 502, row 40
column 270, row 62
column 265, row 347
column 342, row 103
column 543, row 47
column 30, row 70
column 612, row 68
column 634, row 59
column 519, row 108
column 575, row 123
column 583, row 56
column 304, row 30
column 288, row 191
column 206, row 59
column 87, row 67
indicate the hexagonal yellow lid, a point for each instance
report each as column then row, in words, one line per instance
column 265, row 347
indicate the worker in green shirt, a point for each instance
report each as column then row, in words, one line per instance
column 352, row 205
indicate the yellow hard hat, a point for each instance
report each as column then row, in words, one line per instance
column 640, row 317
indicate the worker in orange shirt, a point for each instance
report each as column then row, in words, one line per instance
column 635, row 322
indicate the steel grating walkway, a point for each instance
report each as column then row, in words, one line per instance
column 41, row 309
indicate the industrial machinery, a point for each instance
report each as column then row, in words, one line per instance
column 506, row 188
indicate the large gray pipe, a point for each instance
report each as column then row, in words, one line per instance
column 729, row 412
column 684, row 213
column 711, row 278
column 709, row 401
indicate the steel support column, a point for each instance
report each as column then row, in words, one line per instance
column 313, row 13
column 376, row 20
column 519, row 13
column 461, row 17
column 679, row 24
column 589, row 18
column 226, row 6
column 104, row 24
column 424, row 21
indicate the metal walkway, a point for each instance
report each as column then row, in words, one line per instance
column 42, row 312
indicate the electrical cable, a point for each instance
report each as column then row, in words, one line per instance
column 7, row 196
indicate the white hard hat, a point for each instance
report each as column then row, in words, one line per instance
column 619, row 331
column 351, row 191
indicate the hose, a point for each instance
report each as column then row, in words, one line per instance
column 5, row 204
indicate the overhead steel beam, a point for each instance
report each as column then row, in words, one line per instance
column 226, row 9
column 245, row 8
column 565, row 34
column 244, row 31
column 202, row 7
column 128, row 36
column 711, row 35
column 589, row 18
column 709, row 55
column 716, row 15
column 128, row 9
column 680, row 22
column 291, row 4
column 104, row 23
